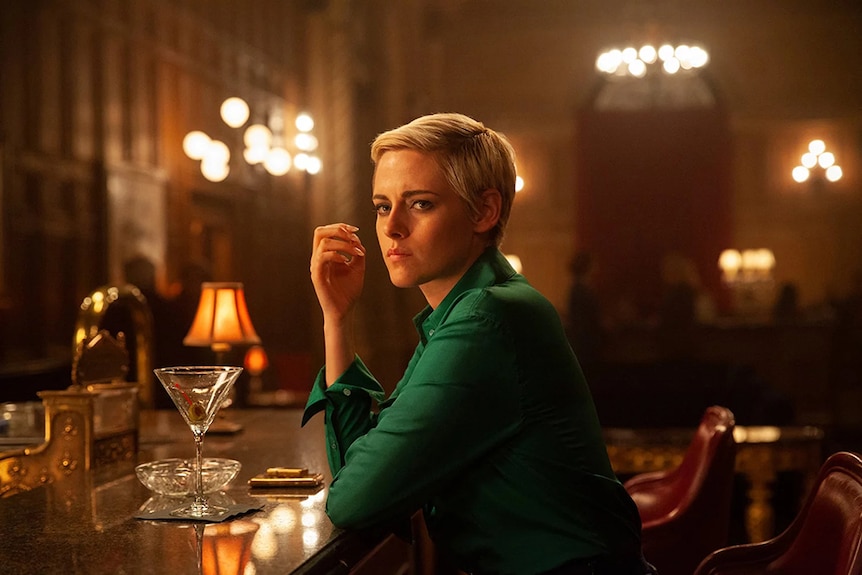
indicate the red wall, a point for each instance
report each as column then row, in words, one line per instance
column 650, row 183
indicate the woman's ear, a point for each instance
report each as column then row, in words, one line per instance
column 489, row 211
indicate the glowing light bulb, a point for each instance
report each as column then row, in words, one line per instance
column 800, row 173
column 234, row 112
column 816, row 147
column 834, row 173
column 648, row 54
column 214, row 171
column 313, row 165
column 195, row 144
column 257, row 135
column 277, row 161
column 304, row 122
column 305, row 142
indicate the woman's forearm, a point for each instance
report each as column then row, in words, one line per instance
column 338, row 346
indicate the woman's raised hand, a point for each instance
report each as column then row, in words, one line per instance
column 337, row 269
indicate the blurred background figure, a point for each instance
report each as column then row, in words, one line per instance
column 140, row 272
column 786, row 307
column 685, row 304
column 584, row 320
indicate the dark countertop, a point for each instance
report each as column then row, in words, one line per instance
column 87, row 525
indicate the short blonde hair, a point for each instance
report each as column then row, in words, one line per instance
column 473, row 158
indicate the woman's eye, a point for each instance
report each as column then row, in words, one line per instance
column 382, row 209
column 421, row 205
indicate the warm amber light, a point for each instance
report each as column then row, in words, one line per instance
column 255, row 155
column 234, row 112
column 515, row 262
column 305, row 142
column 257, row 135
column 313, row 165
column 304, row 122
column 816, row 147
column 277, row 161
column 214, row 171
column 636, row 62
column 648, row 54
column 256, row 360
column 226, row 547
column 217, row 152
column 834, row 173
column 730, row 261
column 817, row 157
column 222, row 318
column 196, row 144
column 800, row 173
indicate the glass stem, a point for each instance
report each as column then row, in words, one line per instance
column 200, row 502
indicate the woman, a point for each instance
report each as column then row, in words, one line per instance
column 491, row 430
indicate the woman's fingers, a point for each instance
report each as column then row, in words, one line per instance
column 337, row 242
column 341, row 247
column 344, row 232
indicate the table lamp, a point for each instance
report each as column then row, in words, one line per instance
column 222, row 321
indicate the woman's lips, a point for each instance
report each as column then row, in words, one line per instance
column 397, row 254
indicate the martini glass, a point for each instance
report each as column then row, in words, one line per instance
column 198, row 392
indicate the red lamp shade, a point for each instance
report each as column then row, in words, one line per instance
column 222, row 319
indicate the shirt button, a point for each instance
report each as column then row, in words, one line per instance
column 430, row 332
column 347, row 392
column 333, row 445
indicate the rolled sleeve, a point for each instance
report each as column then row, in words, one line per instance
column 347, row 408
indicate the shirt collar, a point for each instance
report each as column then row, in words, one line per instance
column 490, row 268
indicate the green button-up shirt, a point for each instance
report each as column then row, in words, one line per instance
column 492, row 429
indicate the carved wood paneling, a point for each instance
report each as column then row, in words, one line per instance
column 96, row 87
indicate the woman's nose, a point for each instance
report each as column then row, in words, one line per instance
column 395, row 225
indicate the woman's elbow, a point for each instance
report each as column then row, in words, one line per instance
column 347, row 512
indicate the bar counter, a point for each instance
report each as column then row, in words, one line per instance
column 87, row 524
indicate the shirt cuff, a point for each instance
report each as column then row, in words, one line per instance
column 356, row 377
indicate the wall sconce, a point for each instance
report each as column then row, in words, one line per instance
column 746, row 268
column 264, row 144
column 637, row 62
column 817, row 157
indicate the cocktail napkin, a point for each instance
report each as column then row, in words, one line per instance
column 165, row 514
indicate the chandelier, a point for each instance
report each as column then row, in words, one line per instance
column 266, row 144
column 638, row 62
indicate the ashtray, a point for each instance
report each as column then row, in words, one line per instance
column 176, row 477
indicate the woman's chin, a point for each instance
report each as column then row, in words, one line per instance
column 401, row 281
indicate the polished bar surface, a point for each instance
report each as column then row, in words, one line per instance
column 86, row 524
